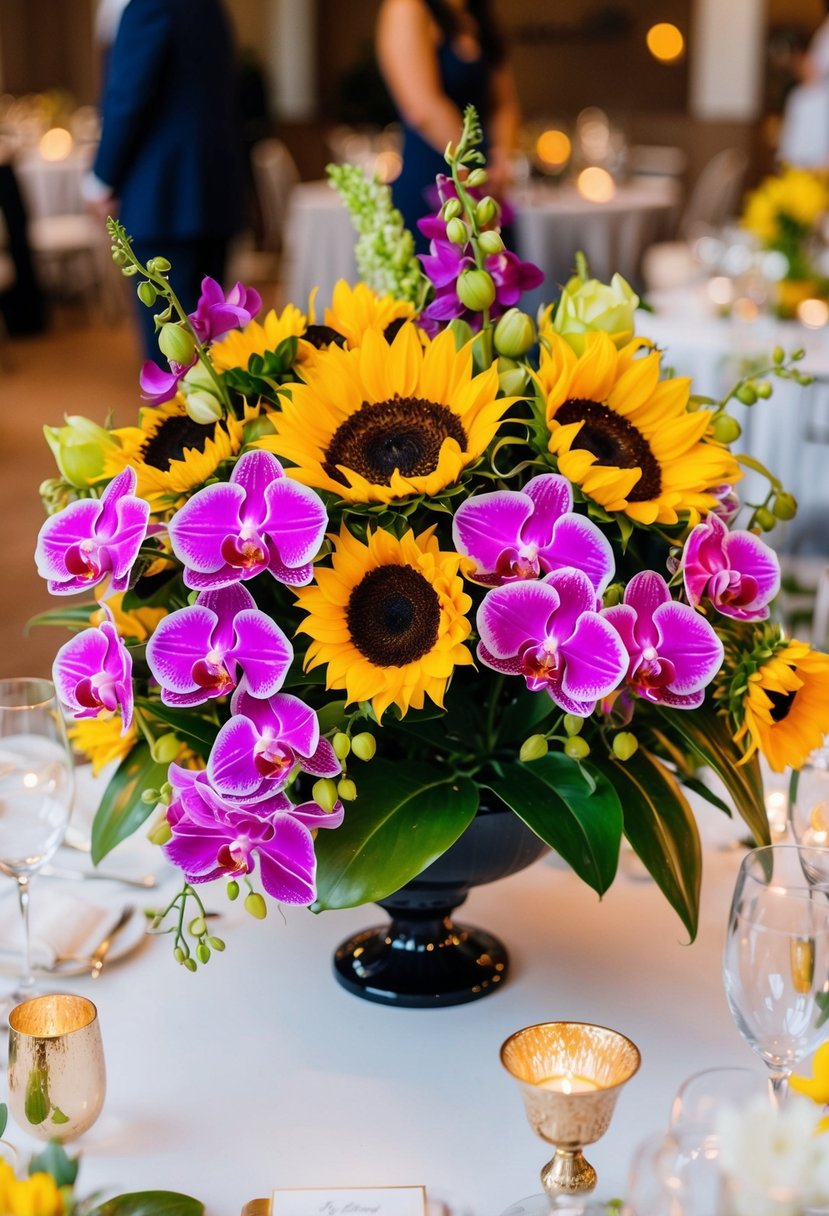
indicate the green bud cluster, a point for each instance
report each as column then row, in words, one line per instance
column 533, row 748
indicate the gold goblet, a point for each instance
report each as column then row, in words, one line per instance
column 570, row 1075
column 57, row 1078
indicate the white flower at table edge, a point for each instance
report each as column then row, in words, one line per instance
column 608, row 654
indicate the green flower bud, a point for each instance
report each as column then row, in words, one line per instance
column 624, row 745
column 614, row 595
column 129, row 270
column 486, row 210
column 451, row 209
column 203, row 407
column 178, row 954
column 324, row 793
column 457, row 232
column 150, row 797
column 190, row 964
column 216, row 943
column 577, row 748
column 176, row 344
column 725, row 429
column 119, row 257
column 146, row 293
column 160, row 833
column 255, row 905
column 478, row 177
column 491, row 242
column 341, row 745
column 533, row 748
column 778, row 354
column 513, row 383
column 784, row 505
column 573, row 724
column 747, row 394
column 589, row 305
column 798, row 354
column 805, row 380
column 165, row 748
column 514, row 333
column 476, row 289
column 764, row 390
column 764, row 519
column 461, row 331
column 364, row 746
column 233, row 889
column 158, row 265
column 80, row 449
column 347, row 789
column 197, row 926
column 203, row 952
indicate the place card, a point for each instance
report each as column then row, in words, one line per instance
column 349, row 1201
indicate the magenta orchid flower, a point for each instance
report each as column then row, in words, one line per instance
column 195, row 652
column 158, row 385
column 550, row 633
column 737, row 571
column 515, row 535
column 216, row 313
column 259, row 520
column 94, row 537
column 673, row 653
column 216, row 839
column 256, row 752
column 93, row 672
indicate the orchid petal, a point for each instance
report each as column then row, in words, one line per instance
column 180, row 640
column 323, row 762
column 314, row 817
column 287, row 865
column 254, row 473
column 511, row 616
column 198, row 529
column 230, row 766
column 262, row 650
column 595, row 659
column 552, row 497
column 296, row 521
column 688, row 642
column 579, row 543
column 486, row 524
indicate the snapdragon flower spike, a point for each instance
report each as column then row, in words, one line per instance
column 673, row 653
column 213, row 838
column 216, row 313
column 512, row 534
column 92, row 673
column 738, row 572
column 197, row 651
column 550, row 633
column 259, row 520
column 93, row 538
column 257, row 751
column 158, row 385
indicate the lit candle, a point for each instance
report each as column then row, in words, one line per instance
column 569, row 1083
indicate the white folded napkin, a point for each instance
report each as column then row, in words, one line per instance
column 60, row 923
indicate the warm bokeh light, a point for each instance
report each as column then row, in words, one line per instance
column 387, row 166
column 55, row 144
column 596, row 185
column 720, row 291
column 553, row 148
column 813, row 313
column 665, row 42
column 745, row 309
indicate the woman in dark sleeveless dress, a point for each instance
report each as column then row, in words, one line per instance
column 437, row 57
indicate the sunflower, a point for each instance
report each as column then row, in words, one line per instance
column 625, row 436
column 355, row 310
column 388, row 618
column 236, row 348
column 785, row 702
column 389, row 419
column 100, row 740
column 171, row 453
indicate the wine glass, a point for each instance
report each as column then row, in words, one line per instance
column 809, row 810
column 776, row 959
column 36, row 791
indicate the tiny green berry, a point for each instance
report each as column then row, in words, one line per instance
column 190, row 964
column 577, row 748
column 624, row 745
column 197, row 926
column 203, row 952
column 255, row 905
column 347, row 789
column 324, row 793
column 533, row 748
column 364, row 746
column 341, row 745
column 233, row 889
column 573, row 724
column 216, row 943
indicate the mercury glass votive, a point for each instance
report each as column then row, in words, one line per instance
column 56, row 1072
column 570, row 1075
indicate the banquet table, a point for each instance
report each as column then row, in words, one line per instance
column 551, row 224
column 259, row 1071
column 53, row 187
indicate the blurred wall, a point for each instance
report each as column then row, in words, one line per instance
column 48, row 44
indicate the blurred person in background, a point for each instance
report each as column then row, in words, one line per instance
column 804, row 136
column 170, row 162
column 437, row 57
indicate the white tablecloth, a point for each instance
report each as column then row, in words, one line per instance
column 53, row 187
column 260, row 1071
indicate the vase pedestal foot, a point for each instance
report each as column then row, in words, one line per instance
column 421, row 964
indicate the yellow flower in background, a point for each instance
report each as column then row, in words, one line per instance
column 799, row 194
column 625, row 436
column 134, row 623
column 236, row 348
column 355, row 310
column 388, row 619
column 388, row 420
column 786, row 706
column 816, row 1087
column 100, row 740
column 37, row 1195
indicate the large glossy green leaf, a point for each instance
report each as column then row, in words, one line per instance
column 198, row 733
column 121, row 811
column 67, row 616
column 661, row 828
column 404, row 817
column 150, row 1203
column 706, row 732
column 554, row 799
column 523, row 715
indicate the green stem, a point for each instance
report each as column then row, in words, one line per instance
column 492, row 709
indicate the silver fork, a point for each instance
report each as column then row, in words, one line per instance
column 96, row 958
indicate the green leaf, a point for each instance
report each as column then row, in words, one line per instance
column 75, row 616
column 661, row 828
column 523, row 715
column 4, row 1117
column 196, row 732
column 554, row 799
column 403, row 819
column 707, row 733
column 150, row 1203
column 54, row 1160
column 121, row 811
column 701, row 790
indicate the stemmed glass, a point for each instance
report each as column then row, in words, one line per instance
column 36, row 791
column 776, row 959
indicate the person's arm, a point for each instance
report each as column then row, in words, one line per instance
column 502, row 127
column 407, row 58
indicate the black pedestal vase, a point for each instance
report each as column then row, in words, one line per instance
column 423, row 959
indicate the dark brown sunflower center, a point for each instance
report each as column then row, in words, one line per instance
column 321, row 336
column 393, row 616
column 405, row 433
column 615, row 442
column 172, row 437
column 781, row 703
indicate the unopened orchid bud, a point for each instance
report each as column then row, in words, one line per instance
column 726, row 429
column 476, row 290
column 197, row 926
column 346, row 789
column 364, row 746
column 158, row 265
column 625, row 745
column 451, row 209
column 746, row 394
column 80, row 449
column 784, row 505
column 764, row 519
column 491, row 242
column 233, row 889
column 341, row 745
column 160, row 833
column 577, row 748
column 514, row 333
column 486, row 211
column 478, row 177
column 176, row 344
column 324, row 793
column 573, row 725
column 165, row 748
column 513, row 382
column 203, row 407
column 764, row 390
column 255, row 905
column 146, row 293
column 533, row 748
column 203, row 952
column 457, row 232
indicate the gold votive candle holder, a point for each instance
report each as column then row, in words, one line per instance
column 56, row 1073
column 570, row 1074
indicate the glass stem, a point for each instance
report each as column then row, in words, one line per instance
column 27, row 980
column 778, row 1087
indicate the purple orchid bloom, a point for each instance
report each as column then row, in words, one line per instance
column 727, row 506
column 737, row 571
column 550, row 633
column 256, row 752
column 515, row 535
column 216, row 313
column 673, row 651
column 194, row 652
column 158, row 385
column 259, row 520
column 215, row 839
column 94, row 537
column 93, row 672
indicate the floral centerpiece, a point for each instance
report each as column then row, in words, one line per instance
column 354, row 578
column 785, row 213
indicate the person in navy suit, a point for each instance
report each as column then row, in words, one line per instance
column 171, row 159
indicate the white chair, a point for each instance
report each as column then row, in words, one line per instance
column 72, row 254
